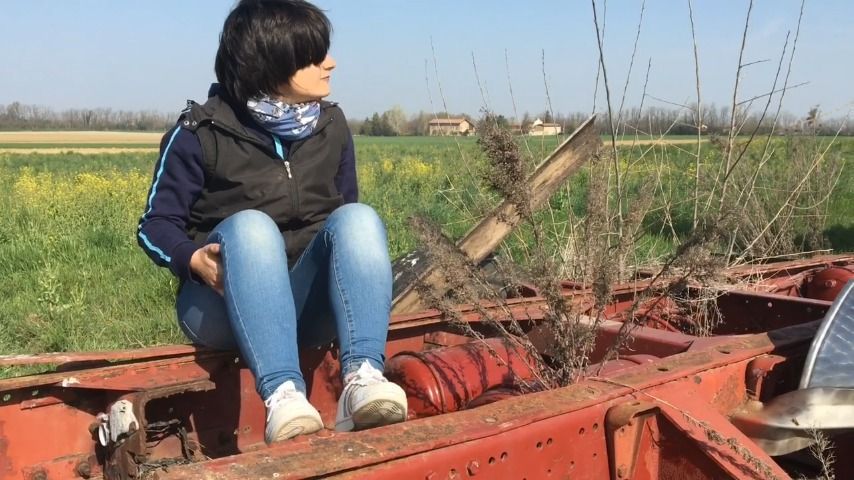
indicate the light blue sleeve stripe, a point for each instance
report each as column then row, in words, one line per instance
column 151, row 247
column 160, row 172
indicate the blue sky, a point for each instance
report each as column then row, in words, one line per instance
column 156, row 54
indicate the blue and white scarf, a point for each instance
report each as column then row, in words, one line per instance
column 289, row 122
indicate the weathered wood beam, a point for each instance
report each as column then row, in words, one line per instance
column 485, row 237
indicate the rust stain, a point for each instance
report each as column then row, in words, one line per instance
column 6, row 465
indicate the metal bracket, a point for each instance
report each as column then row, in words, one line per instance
column 632, row 428
column 125, row 441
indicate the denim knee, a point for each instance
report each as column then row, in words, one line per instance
column 356, row 221
column 251, row 229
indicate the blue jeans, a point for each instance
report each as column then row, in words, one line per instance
column 340, row 286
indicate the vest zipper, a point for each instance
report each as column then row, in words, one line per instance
column 280, row 151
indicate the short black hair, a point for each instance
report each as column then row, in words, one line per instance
column 264, row 42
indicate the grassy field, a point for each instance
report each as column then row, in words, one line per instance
column 74, row 279
column 59, row 142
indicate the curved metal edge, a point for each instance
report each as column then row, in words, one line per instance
column 822, row 334
column 787, row 423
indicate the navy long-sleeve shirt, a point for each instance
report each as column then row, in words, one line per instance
column 177, row 182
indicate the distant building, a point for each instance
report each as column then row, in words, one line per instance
column 450, row 126
column 538, row 128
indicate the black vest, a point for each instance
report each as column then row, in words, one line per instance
column 242, row 172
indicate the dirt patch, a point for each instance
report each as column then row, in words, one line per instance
column 79, row 150
column 75, row 138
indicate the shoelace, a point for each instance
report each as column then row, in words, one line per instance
column 367, row 375
column 284, row 391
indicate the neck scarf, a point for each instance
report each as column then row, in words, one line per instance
column 289, row 122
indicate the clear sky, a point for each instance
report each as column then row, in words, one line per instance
column 155, row 54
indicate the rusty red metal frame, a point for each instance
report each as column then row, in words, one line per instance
column 663, row 416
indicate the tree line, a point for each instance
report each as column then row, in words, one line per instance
column 715, row 120
column 18, row 116
column 395, row 121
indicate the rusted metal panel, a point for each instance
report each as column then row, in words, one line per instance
column 568, row 446
column 41, row 438
column 788, row 268
column 138, row 376
column 101, row 357
column 179, row 409
column 633, row 439
column 704, row 371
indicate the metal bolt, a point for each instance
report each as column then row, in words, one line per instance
column 83, row 469
column 621, row 471
column 39, row 474
column 473, row 467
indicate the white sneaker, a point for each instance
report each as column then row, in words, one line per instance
column 369, row 400
column 289, row 414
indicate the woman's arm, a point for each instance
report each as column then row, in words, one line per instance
column 178, row 179
column 345, row 180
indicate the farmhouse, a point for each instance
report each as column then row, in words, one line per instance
column 538, row 128
column 450, row 126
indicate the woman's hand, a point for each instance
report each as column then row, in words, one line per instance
column 207, row 265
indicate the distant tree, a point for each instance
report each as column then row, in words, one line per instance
column 377, row 126
column 419, row 123
column 811, row 121
column 14, row 113
column 355, row 125
column 395, row 118
column 490, row 121
column 384, row 129
column 18, row 116
column 526, row 121
column 368, row 126
column 547, row 117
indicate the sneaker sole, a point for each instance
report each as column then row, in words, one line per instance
column 298, row 426
column 378, row 413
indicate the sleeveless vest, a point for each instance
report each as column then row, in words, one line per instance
column 242, row 172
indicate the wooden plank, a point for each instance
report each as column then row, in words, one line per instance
column 485, row 237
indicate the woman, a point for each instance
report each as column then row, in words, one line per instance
column 253, row 207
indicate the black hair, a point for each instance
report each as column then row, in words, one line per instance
column 264, row 42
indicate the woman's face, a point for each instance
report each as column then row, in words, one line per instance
column 309, row 83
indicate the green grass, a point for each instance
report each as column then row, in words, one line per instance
column 73, row 277
column 73, row 163
column 404, row 141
